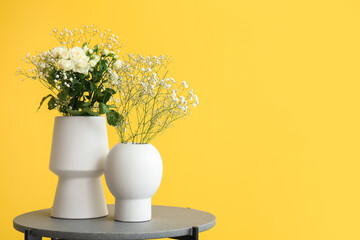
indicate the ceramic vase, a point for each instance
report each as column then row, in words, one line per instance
column 133, row 174
column 78, row 152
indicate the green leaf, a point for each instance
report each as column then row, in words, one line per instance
column 106, row 94
column 103, row 65
column 43, row 100
column 87, row 85
column 114, row 118
column 63, row 95
column 96, row 75
column 85, row 112
column 51, row 77
column 76, row 89
column 110, row 90
column 52, row 103
column 103, row 108
column 85, row 104
column 92, row 86
column 88, row 110
column 75, row 112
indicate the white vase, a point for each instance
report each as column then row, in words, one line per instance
column 78, row 152
column 133, row 174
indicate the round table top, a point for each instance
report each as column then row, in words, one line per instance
column 166, row 222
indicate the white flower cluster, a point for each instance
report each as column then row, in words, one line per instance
column 144, row 88
column 87, row 34
column 74, row 59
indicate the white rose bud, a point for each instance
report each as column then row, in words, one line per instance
column 105, row 52
column 96, row 58
column 92, row 63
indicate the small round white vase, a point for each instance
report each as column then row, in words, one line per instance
column 78, row 152
column 133, row 174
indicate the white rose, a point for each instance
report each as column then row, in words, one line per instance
column 65, row 54
column 84, row 70
column 117, row 65
column 60, row 52
column 65, row 64
column 82, row 65
column 82, row 62
column 76, row 53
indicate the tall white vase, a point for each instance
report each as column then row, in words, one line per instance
column 133, row 174
column 79, row 148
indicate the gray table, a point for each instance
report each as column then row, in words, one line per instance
column 166, row 222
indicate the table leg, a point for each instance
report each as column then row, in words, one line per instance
column 194, row 235
column 29, row 236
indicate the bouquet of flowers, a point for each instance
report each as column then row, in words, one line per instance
column 77, row 72
column 85, row 79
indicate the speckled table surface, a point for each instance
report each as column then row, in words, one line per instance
column 166, row 222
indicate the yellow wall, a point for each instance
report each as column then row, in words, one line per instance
column 273, row 148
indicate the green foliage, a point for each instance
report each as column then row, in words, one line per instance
column 114, row 118
column 43, row 100
column 81, row 96
column 52, row 103
column 84, row 94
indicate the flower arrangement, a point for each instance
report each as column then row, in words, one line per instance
column 135, row 92
column 76, row 72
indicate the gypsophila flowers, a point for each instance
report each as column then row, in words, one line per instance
column 147, row 99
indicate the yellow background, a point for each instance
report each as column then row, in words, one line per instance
column 273, row 148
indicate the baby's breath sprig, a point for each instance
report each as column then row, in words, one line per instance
column 86, row 35
column 147, row 99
